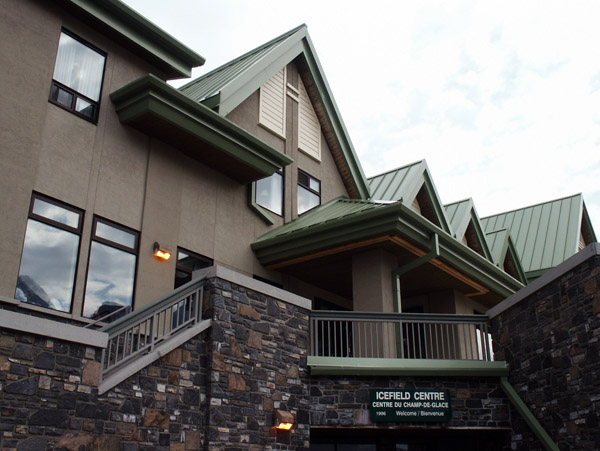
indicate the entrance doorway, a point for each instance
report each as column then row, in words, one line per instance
column 378, row 439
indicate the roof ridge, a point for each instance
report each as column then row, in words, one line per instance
column 459, row 202
column 244, row 56
column 397, row 169
column 531, row 206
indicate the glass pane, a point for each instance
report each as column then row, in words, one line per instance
column 315, row 185
column 115, row 235
column 186, row 264
column 269, row 193
column 63, row 97
column 79, row 67
column 47, row 271
column 306, row 200
column 85, row 108
column 56, row 213
column 110, row 279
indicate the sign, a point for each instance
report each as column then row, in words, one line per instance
column 410, row 405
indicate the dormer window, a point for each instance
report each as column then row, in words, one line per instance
column 77, row 80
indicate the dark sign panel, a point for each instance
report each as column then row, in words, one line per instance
column 410, row 405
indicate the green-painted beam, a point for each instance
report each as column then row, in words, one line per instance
column 527, row 415
column 354, row 366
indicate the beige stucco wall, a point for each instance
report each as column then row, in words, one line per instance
column 116, row 172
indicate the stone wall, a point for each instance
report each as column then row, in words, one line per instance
column 550, row 341
column 49, row 398
column 257, row 365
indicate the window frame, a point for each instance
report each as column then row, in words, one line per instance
column 255, row 187
column 131, row 250
column 59, row 225
column 76, row 95
column 309, row 189
column 185, row 269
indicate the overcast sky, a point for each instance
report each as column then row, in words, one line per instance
column 502, row 99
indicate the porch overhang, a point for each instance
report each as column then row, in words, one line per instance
column 157, row 109
column 395, row 227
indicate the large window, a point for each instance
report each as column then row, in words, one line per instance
column 187, row 263
column 111, row 269
column 77, row 80
column 269, row 193
column 49, row 258
column 309, row 192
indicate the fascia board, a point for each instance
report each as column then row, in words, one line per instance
column 335, row 118
column 480, row 234
column 510, row 249
column 240, row 88
column 587, row 221
column 434, row 196
column 144, row 34
column 150, row 94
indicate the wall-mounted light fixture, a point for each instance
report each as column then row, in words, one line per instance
column 162, row 253
column 283, row 420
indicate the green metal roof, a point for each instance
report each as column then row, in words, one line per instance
column 174, row 58
column 404, row 184
column 226, row 87
column 461, row 214
column 501, row 247
column 344, row 221
column 546, row 234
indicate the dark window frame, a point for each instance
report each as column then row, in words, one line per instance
column 58, row 85
column 185, row 269
column 59, row 225
column 110, row 243
column 306, row 186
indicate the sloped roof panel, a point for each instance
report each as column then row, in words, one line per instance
column 393, row 185
column 544, row 235
column 459, row 215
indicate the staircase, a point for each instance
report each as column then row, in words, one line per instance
column 142, row 336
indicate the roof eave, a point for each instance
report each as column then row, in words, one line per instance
column 150, row 97
column 174, row 58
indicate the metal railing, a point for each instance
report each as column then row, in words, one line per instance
column 400, row 335
column 142, row 330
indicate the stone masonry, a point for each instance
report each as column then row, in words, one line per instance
column 550, row 340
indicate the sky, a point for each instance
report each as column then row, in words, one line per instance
column 501, row 98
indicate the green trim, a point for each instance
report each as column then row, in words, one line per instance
column 395, row 219
column 172, row 56
column 149, row 95
column 260, row 211
column 527, row 415
column 352, row 366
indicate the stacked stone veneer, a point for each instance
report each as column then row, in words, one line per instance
column 550, row 341
column 344, row 401
column 49, row 398
column 258, row 364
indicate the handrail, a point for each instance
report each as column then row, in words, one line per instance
column 102, row 319
column 141, row 331
column 400, row 335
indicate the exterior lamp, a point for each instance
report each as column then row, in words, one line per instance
column 162, row 253
column 283, row 420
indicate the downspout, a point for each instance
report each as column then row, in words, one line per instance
column 433, row 253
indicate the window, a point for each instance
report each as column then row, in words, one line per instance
column 49, row 258
column 77, row 80
column 111, row 268
column 269, row 193
column 187, row 263
column 309, row 192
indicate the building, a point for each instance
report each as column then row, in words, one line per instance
column 292, row 274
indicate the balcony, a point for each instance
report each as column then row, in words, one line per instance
column 402, row 344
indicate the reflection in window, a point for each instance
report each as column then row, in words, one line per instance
column 77, row 79
column 309, row 192
column 111, row 269
column 269, row 193
column 187, row 263
column 49, row 258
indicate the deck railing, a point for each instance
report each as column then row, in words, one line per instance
column 400, row 335
column 141, row 331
